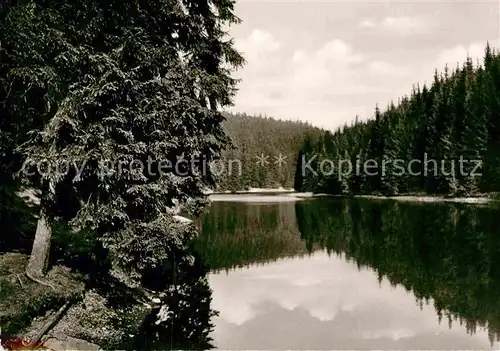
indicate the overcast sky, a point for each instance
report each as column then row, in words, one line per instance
column 327, row 61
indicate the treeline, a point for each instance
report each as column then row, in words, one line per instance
column 254, row 136
column 95, row 97
column 441, row 139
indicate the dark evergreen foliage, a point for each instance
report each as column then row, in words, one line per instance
column 438, row 135
column 253, row 136
column 104, row 93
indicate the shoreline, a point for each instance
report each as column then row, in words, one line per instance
column 254, row 191
column 431, row 199
column 478, row 199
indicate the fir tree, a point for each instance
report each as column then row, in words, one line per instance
column 145, row 88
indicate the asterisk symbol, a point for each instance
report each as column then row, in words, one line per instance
column 280, row 160
column 262, row 160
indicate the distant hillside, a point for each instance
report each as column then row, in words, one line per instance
column 255, row 136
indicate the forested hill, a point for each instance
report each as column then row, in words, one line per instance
column 456, row 118
column 253, row 137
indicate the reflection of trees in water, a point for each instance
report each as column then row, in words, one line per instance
column 232, row 235
column 238, row 234
column 447, row 253
column 186, row 313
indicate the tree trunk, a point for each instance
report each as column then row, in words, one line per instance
column 39, row 259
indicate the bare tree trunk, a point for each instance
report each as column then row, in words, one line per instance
column 39, row 259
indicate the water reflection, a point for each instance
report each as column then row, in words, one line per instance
column 324, row 302
column 238, row 234
column 353, row 274
column 187, row 307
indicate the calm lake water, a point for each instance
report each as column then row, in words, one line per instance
column 329, row 273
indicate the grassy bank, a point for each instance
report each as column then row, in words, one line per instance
column 95, row 316
column 22, row 300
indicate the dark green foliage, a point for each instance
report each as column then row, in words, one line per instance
column 106, row 94
column 184, row 322
column 442, row 139
column 17, row 221
column 132, row 94
column 252, row 137
column 22, row 36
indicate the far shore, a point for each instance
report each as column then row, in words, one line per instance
column 479, row 199
column 252, row 191
column 428, row 198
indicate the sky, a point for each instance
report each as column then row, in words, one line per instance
column 327, row 61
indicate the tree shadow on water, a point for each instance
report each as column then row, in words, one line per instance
column 183, row 321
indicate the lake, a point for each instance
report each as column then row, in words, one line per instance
column 334, row 273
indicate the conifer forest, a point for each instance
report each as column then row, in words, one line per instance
column 454, row 118
column 111, row 238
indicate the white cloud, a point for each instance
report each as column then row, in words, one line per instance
column 399, row 24
column 451, row 57
column 256, row 44
column 325, row 86
column 330, row 84
column 366, row 24
column 328, row 65
column 386, row 68
column 265, row 40
column 299, row 56
column 322, row 314
column 392, row 334
column 459, row 54
column 339, row 51
column 406, row 24
column 286, row 78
